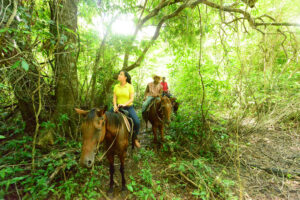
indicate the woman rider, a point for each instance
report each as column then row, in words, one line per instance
column 123, row 97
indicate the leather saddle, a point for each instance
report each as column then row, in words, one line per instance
column 128, row 121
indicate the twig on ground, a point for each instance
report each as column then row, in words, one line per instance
column 103, row 193
column 17, row 191
column 56, row 172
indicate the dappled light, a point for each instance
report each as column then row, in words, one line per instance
column 149, row 99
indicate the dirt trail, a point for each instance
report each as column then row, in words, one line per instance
column 261, row 154
column 132, row 167
column 270, row 161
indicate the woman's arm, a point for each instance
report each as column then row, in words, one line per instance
column 115, row 102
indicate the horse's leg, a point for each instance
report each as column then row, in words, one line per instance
column 154, row 129
column 122, row 160
column 110, row 157
column 161, row 128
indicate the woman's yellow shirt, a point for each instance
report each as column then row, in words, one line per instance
column 123, row 93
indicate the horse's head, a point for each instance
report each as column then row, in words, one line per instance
column 166, row 107
column 175, row 104
column 93, row 132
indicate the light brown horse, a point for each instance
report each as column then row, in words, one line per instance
column 160, row 114
column 109, row 127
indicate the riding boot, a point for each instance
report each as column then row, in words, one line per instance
column 135, row 141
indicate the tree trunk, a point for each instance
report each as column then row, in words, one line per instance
column 66, row 90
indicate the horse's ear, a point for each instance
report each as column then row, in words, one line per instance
column 173, row 101
column 81, row 112
column 100, row 112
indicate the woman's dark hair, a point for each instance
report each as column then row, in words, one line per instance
column 128, row 80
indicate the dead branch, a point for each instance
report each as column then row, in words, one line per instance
column 188, row 180
column 274, row 171
column 56, row 172
column 103, row 193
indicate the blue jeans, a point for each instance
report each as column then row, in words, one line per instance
column 147, row 102
column 133, row 115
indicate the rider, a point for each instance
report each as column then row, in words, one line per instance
column 123, row 97
column 165, row 87
column 153, row 90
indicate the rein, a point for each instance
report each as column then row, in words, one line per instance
column 98, row 144
column 157, row 112
column 118, row 130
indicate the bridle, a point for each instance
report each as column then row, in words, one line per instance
column 98, row 144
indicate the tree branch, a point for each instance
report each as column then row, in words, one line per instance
column 155, row 36
column 246, row 15
column 141, row 22
column 190, row 4
column 276, row 24
column 9, row 21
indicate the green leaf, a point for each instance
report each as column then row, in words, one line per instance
column 3, row 30
column 3, row 86
column 16, row 65
column 2, row 137
column 130, row 188
column 25, row 65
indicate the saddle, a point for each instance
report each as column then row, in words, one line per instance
column 146, row 113
column 151, row 104
column 128, row 121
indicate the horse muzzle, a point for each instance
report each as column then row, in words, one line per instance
column 86, row 162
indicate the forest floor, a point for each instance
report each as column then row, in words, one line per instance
column 270, row 163
column 269, row 167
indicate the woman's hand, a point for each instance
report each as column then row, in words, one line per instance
column 116, row 108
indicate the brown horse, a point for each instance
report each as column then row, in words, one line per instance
column 159, row 114
column 175, row 104
column 97, row 126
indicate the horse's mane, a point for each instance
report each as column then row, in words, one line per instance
column 91, row 116
column 114, row 120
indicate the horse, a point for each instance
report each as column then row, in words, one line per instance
column 98, row 126
column 159, row 113
column 175, row 104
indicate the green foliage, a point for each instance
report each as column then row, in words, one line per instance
column 201, row 174
column 48, row 125
column 242, row 73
